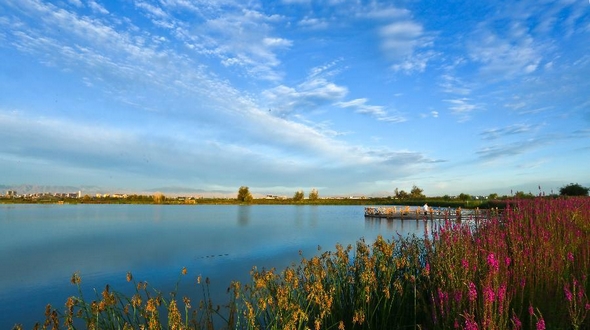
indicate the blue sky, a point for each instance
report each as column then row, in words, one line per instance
column 348, row 97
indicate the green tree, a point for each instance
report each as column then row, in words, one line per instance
column 464, row 197
column 313, row 194
column 244, row 195
column 401, row 194
column 298, row 196
column 159, row 198
column 416, row 192
column 493, row 196
column 573, row 189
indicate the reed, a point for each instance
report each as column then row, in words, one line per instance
column 526, row 268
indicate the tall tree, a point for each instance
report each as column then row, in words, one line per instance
column 298, row 196
column 159, row 198
column 401, row 194
column 313, row 194
column 416, row 192
column 244, row 195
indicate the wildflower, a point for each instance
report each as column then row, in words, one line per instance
column 472, row 292
column 129, row 277
column 465, row 263
column 516, row 322
column 183, row 270
column 541, row 324
column 187, row 302
column 501, row 293
column 76, row 279
column 489, row 294
column 493, row 263
column 136, row 300
column 568, row 293
column 570, row 256
column 470, row 323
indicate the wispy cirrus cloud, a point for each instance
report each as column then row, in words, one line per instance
column 463, row 108
column 516, row 129
column 505, row 56
column 403, row 42
column 499, row 151
column 306, row 96
column 376, row 111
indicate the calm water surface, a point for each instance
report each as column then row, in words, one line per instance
column 41, row 246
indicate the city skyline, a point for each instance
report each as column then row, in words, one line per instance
column 348, row 97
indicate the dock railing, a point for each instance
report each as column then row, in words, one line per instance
column 418, row 213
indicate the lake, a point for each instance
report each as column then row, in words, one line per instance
column 41, row 246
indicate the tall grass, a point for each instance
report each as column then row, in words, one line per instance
column 515, row 271
column 526, row 268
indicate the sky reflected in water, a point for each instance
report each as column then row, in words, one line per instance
column 41, row 246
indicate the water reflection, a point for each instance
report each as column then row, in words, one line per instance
column 244, row 215
column 398, row 226
column 42, row 245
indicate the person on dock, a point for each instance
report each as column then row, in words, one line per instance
column 425, row 208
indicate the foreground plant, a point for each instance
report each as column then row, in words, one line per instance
column 526, row 268
column 148, row 308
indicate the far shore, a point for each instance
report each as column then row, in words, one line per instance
column 142, row 199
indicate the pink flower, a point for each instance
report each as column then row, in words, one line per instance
column 470, row 324
column 531, row 310
column 501, row 296
column 516, row 322
column 472, row 292
column 489, row 294
column 493, row 263
column 570, row 256
column 541, row 324
column 568, row 293
column 465, row 263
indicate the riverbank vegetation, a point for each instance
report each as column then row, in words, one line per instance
column 244, row 196
column 525, row 269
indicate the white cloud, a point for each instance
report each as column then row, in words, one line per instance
column 404, row 42
column 313, row 23
column 307, row 96
column 242, row 39
column 400, row 39
column 376, row 111
column 277, row 42
column 516, row 129
column 76, row 3
column 454, row 85
column 98, row 8
column 504, row 58
column 463, row 108
column 153, row 11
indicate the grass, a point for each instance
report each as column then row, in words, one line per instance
column 525, row 269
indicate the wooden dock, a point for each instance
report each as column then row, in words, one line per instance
column 406, row 213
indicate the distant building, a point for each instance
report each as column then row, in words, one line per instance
column 11, row 193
